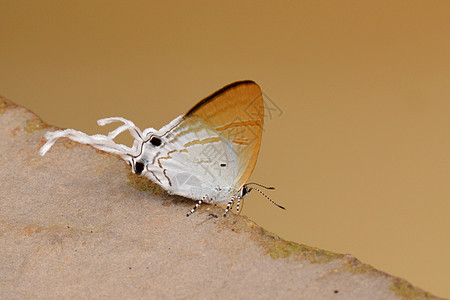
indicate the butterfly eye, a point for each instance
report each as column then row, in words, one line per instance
column 155, row 141
column 245, row 191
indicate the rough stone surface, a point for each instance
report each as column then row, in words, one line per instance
column 76, row 223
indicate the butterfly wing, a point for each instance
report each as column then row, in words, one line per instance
column 209, row 152
column 193, row 161
column 236, row 113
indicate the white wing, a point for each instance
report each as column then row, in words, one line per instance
column 192, row 160
column 208, row 154
column 236, row 112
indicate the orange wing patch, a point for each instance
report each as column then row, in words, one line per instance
column 236, row 112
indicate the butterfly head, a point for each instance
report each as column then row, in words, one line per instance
column 244, row 191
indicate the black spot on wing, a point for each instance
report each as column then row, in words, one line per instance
column 139, row 167
column 156, row 141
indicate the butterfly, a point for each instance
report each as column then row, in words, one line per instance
column 207, row 154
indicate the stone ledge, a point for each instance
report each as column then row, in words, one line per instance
column 77, row 223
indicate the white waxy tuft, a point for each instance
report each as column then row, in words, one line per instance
column 99, row 141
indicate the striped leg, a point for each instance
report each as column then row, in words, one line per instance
column 194, row 208
column 237, row 205
column 229, row 205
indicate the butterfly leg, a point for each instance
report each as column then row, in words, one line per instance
column 238, row 204
column 229, row 206
column 194, row 208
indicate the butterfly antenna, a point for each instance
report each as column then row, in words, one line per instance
column 263, row 186
column 273, row 202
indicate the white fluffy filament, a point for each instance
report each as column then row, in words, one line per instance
column 99, row 141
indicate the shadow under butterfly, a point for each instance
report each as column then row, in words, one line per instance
column 207, row 154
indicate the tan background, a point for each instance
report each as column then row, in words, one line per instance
column 357, row 145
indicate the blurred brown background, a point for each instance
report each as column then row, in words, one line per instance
column 357, row 143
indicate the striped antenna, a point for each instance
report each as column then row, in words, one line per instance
column 266, row 187
column 262, row 193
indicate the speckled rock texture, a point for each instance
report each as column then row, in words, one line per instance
column 76, row 224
